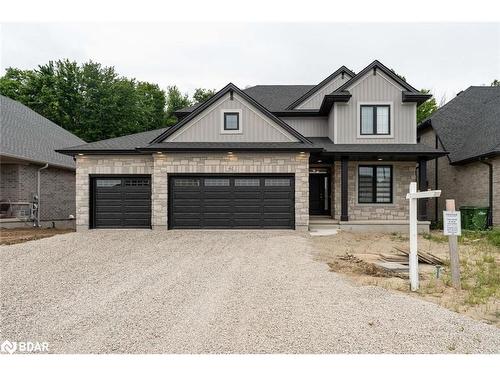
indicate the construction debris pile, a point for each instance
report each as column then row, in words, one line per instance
column 399, row 262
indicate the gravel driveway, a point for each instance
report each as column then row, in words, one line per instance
column 211, row 292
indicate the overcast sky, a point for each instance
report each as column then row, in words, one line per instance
column 445, row 58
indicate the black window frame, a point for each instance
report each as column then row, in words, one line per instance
column 374, row 183
column 237, row 121
column 374, row 120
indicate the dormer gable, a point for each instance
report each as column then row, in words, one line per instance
column 231, row 116
column 314, row 97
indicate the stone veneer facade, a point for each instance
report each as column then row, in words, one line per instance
column 403, row 174
column 161, row 165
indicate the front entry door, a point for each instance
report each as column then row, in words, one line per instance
column 319, row 194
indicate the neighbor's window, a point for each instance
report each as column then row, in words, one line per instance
column 375, row 184
column 375, row 120
column 231, row 121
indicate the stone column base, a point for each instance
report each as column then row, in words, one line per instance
column 302, row 228
column 159, row 227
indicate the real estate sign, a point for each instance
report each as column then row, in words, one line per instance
column 451, row 223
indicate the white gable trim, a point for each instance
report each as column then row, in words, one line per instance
column 221, row 101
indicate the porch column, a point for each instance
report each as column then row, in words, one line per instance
column 422, row 186
column 344, row 177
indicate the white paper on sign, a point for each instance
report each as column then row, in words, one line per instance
column 451, row 223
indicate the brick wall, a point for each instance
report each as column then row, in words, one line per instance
column 57, row 189
column 403, row 174
column 57, row 194
column 467, row 184
column 160, row 165
column 9, row 180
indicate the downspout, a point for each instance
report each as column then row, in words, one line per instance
column 436, row 183
column 490, row 192
column 38, row 194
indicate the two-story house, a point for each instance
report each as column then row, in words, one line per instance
column 270, row 156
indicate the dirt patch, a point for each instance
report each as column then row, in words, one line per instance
column 355, row 255
column 18, row 235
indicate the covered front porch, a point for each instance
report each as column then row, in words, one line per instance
column 363, row 187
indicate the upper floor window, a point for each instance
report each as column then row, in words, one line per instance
column 231, row 121
column 375, row 120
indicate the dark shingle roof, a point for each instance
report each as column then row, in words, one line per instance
column 27, row 135
column 124, row 143
column 277, row 97
column 469, row 125
column 274, row 98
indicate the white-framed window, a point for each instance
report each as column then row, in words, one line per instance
column 231, row 121
column 375, row 120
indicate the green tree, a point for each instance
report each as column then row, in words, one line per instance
column 495, row 82
column 399, row 75
column 175, row 101
column 202, row 95
column 90, row 100
column 426, row 109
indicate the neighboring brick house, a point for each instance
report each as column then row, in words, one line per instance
column 27, row 143
column 278, row 156
column 468, row 128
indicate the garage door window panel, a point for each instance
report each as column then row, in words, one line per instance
column 216, row 182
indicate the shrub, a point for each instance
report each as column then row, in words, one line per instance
column 494, row 237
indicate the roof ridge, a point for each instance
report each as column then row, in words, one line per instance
column 279, row 85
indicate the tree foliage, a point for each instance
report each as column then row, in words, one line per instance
column 495, row 82
column 399, row 75
column 175, row 101
column 426, row 109
column 89, row 100
column 202, row 95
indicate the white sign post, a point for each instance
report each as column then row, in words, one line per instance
column 452, row 228
column 413, row 196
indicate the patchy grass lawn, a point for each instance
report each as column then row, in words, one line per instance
column 18, row 235
column 354, row 254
